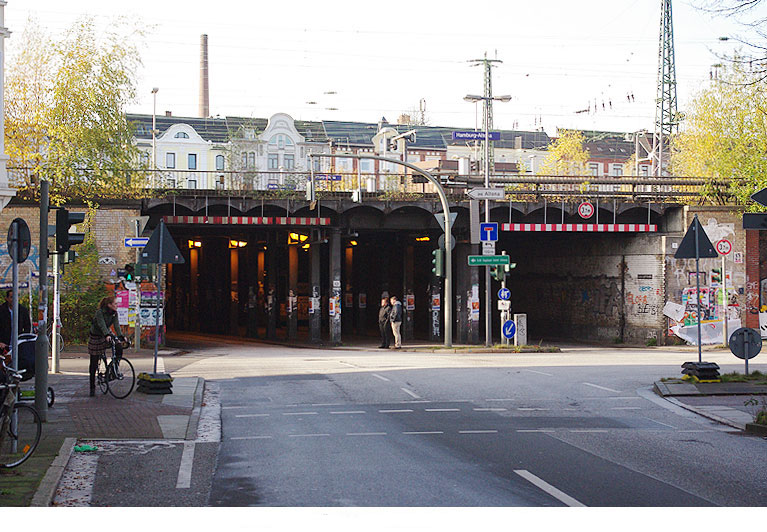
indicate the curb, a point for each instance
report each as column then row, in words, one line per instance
column 194, row 418
column 706, row 415
column 47, row 488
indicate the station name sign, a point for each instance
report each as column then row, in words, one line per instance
column 475, row 135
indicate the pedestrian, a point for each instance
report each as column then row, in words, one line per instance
column 395, row 317
column 6, row 320
column 384, row 323
column 101, row 337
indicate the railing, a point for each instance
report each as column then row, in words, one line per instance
column 407, row 186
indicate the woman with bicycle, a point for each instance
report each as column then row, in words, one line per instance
column 101, row 337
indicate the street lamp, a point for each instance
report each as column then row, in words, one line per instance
column 154, row 134
column 473, row 98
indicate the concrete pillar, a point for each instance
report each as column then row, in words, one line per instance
column 435, row 327
column 407, row 289
column 315, row 311
column 334, row 300
column 348, row 295
column 361, row 270
column 272, row 305
column 193, row 301
column 234, row 274
column 472, row 298
column 292, row 303
column 752, row 279
column 261, row 292
column 462, row 292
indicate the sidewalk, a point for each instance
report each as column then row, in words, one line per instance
column 75, row 415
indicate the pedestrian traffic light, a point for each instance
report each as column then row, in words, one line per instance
column 129, row 272
column 498, row 272
column 65, row 239
column 438, row 267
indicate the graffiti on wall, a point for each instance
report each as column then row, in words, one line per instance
column 6, row 264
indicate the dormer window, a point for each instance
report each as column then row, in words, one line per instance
column 181, row 135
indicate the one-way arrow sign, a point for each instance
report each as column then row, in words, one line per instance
column 760, row 197
column 136, row 242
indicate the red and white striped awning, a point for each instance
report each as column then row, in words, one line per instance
column 582, row 228
column 245, row 220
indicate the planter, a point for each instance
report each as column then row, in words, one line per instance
column 756, row 428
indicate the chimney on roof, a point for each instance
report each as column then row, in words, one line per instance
column 168, row 113
column 204, row 100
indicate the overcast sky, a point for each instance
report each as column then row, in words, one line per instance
column 384, row 58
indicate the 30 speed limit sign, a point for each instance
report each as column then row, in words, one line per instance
column 724, row 246
column 586, row 210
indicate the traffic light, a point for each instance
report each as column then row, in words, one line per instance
column 65, row 239
column 438, row 264
column 716, row 275
column 129, row 272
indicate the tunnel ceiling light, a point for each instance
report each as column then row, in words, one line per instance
column 295, row 238
column 234, row 244
column 353, row 242
column 422, row 239
column 194, row 244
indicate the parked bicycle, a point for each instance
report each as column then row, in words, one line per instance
column 116, row 375
column 20, row 424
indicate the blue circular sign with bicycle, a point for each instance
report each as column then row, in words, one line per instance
column 509, row 329
column 504, row 294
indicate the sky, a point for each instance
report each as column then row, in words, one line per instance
column 360, row 61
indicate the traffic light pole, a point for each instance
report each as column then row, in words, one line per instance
column 54, row 327
column 41, row 344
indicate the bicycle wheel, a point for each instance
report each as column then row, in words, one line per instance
column 51, row 396
column 120, row 378
column 101, row 376
column 18, row 443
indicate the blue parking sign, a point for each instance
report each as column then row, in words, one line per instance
column 488, row 232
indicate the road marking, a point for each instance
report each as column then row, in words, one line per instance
column 534, row 409
column 588, row 431
column 307, row 435
column 251, row 415
column 477, row 432
column 401, row 411
column 185, row 469
column 299, row 413
column 548, row 488
column 233, row 407
column 424, row 432
column 693, row 431
column 366, row 434
column 535, row 430
column 411, row 394
column 626, row 408
column 377, row 376
column 664, row 424
column 601, row 387
column 350, row 412
column 490, row 409
column 442, row 409
column 538, row 372
column 250, row 438
column 347, row 364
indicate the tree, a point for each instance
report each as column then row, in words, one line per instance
column 724, row 136
column 566, row 155
column 65, row 112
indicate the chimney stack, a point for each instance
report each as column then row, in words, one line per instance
column 204, row 106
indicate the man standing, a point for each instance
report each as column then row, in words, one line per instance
column 383, row 322
column 6, row 320
column 396, row 321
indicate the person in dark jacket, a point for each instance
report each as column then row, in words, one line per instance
column 384, row 323
column 395, row 316
column 6, row 320
column 101, row 337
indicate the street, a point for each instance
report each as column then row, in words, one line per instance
column 306, row 427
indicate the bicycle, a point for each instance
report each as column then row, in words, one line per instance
column 117, row 375
column 20, row 424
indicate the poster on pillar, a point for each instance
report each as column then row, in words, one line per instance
column 314, row 305
column 435, row 302
column 363, row 300
column 349, row 300
column 410, row 302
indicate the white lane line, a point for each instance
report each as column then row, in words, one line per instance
column 400, row 411
column 589, row 431
column 251, row 415
column 490, row 410
column 299, row 413
column 250, row 438
column 160, row 365
column 411, row 394
column 664, row 424
column 534, row 409
column 548, row 488
column 347, row 364
column 626, row 408
column 442, row 409
column 693, row 431
column 424, row 432
column 535, row 430
column 233, row 407
column 477, row 432
column 601, row 387
column 184, row 480
column 538, row 372
column 366, row 434
column 326, row 404
column 350, row 412
column 377, row 376
column 307, row 435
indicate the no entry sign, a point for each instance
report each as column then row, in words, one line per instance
column 586, row 210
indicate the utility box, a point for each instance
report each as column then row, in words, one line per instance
column 520, row 337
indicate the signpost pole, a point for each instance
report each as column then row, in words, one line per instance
column 726, row 301
column 488, row 322
column 697, row 284
column 137, row 317
column 54, row 327
column 41, row 344
column 157, row 307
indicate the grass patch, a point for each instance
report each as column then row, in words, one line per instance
column 501, row 348
column 756, row 377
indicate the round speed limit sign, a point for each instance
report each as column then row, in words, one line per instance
column 723, row 246
column 586, row 210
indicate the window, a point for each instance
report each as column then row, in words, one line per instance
column 219, row 162
column 181, row 135
column 316, row 164
column 244, row 160
column 288, row 141
column 170, row 160
column 281, row 141
column 252, row 160
column 617, row 169
column 289, row 162
column 273, row 162
column 644, row 170
column 594, row 168
column 191, row 161
column 191, row 183
column 144, row 158
column 366, row 166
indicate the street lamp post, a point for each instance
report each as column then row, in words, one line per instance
column 487, row 99
column 154, row 134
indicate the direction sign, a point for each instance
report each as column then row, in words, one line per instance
column 504, row 294
column 487, row 193
column 724, row 246
column 488, row 231
column 488, row 260
column 136, row 242
column 475, row 135
column 509, row 328
column 760, row 197
column 586, row 210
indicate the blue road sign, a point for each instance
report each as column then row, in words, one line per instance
column 136, row 242
column 504, row 294
column 475, row 135
column 488, row 232
column 509, row 328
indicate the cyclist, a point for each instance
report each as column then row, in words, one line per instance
column 101, row 337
